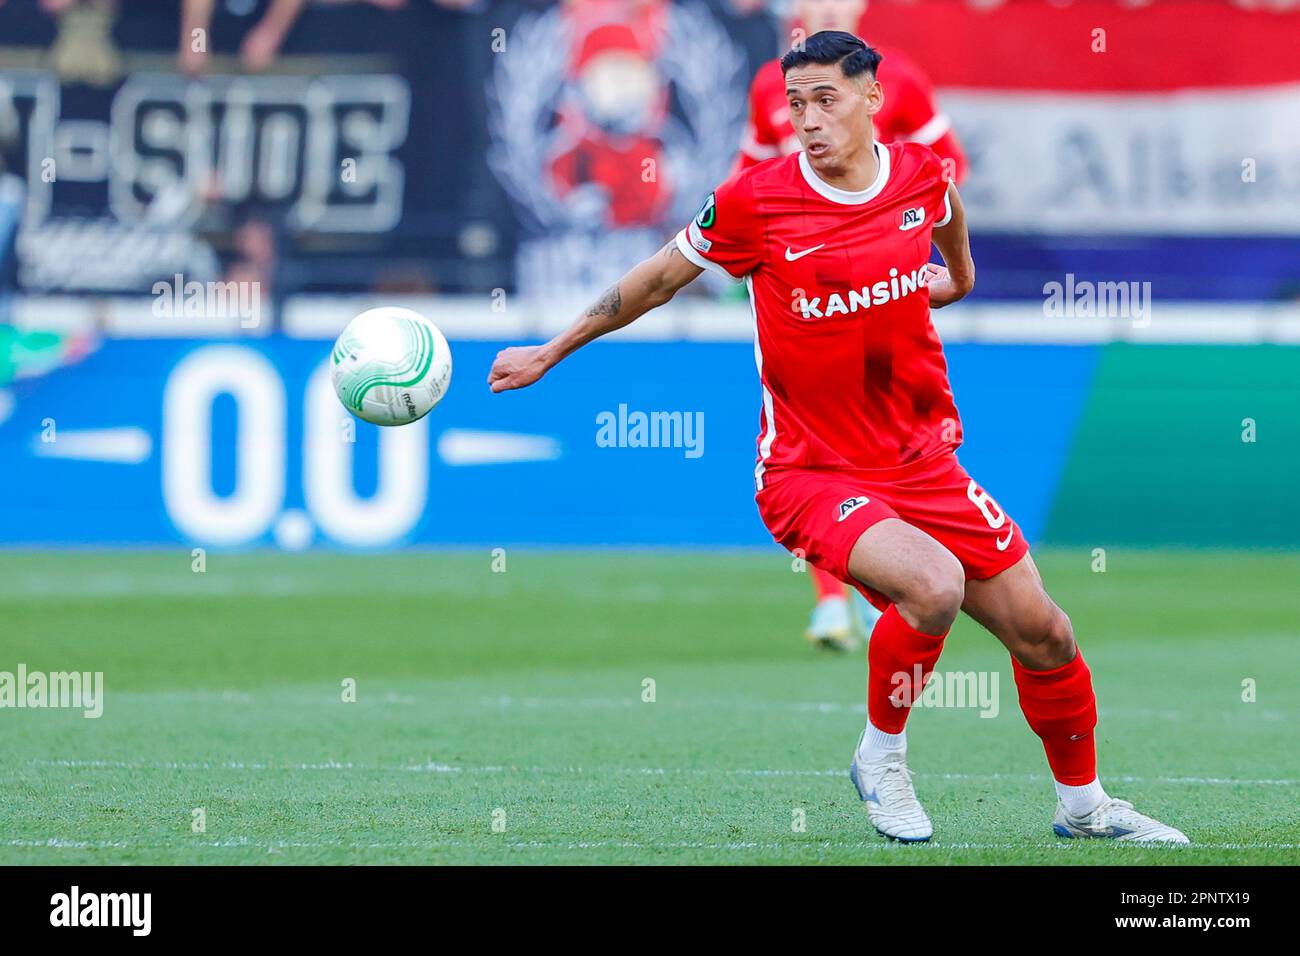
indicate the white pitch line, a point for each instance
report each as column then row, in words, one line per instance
column 328, row 697
column 434, row 767
column 841, row 707
column 58, row 843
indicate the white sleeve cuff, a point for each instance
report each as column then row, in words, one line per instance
column 947, row 210
column 693, row 256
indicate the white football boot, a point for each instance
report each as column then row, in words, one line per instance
column 1115, row 820
column 885, row 785
column 831, row 627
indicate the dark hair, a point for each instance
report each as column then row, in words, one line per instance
column 834, row 46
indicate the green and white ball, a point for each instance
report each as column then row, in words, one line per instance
column 390, row 366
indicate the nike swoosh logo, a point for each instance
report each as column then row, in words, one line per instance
column 792, row 256
column 1002, row 543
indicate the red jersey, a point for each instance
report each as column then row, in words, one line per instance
column 852, row 370
column 909, row 114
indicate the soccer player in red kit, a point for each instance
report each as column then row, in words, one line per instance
column 908, row 114
column 858, row 430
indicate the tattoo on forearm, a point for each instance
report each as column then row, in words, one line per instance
column 609, row 303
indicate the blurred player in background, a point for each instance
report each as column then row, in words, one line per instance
column 909, row 113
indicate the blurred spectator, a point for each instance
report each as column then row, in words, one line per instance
column 84, row 50
column 13, row 194
column 24, row 354
column 263, row 42
column 260, row 44
column 255, row 257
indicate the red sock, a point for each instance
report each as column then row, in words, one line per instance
column 826, row 584
column 893, row 656
column 1062, row 709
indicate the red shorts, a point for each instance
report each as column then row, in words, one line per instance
column 820, row 515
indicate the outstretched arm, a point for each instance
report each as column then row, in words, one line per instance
column 949, row 284
column 650, row 284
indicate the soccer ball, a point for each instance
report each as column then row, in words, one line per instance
column 390, row 366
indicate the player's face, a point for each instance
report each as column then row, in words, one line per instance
column 819, row 15
column 831, row 113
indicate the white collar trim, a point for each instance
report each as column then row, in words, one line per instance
column 843, row 196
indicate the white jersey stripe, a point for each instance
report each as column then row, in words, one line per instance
column 769, row 417
column 947, row 209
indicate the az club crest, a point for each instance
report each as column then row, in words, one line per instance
column 850, row 505
column 912, row 218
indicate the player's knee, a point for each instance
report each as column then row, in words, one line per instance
column 1059, row 637
column 1052, row 642
column 935, row 595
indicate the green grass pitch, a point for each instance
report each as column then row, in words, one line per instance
column 499, row 716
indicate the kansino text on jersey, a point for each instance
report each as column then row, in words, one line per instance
column 886, row 290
